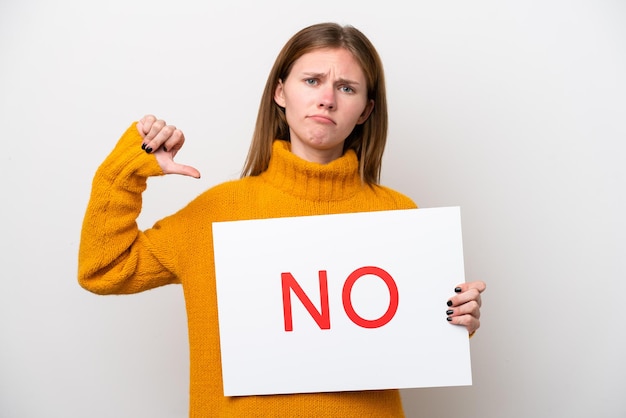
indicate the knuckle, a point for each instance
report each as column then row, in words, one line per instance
column 475, row 310
column 464, row 320
column 476, row 325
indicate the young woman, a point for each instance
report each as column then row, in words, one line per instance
column 316, row 149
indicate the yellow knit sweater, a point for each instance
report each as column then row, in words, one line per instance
column 116, row 258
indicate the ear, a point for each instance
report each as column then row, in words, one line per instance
column 279, row 94
column 366, row 112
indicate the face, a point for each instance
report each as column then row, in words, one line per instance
column 325, row 97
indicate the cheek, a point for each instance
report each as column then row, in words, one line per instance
column 297, row 103
column 359, row 113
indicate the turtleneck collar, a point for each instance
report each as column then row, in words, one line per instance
column 336, row 180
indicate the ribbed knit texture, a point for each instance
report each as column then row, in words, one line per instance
column 116, row 258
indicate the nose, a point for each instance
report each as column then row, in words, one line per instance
column 327, row 98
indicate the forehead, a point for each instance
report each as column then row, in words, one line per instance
column 338, row 61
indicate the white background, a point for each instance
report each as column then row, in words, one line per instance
column 513, row 111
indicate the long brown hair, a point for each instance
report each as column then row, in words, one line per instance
column 367, row 139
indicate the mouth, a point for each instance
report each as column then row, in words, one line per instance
column 322, row 119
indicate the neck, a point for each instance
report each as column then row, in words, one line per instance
column 336, row 180
column 320, row 156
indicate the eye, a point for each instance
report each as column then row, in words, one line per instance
column 311, row 81
column 346, row 89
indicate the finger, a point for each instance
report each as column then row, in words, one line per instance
column 470, row 308
column 469, row 295
column 145, row 124
column 174, row 142
column 468, row 321
column 156, row 128
column 157, row 136
column 464, row 287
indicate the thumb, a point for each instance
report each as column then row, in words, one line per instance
column 184, row 170
column 169, row 166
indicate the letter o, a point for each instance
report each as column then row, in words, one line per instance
column 393, row 297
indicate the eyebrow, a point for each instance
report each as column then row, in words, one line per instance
column 323, row 75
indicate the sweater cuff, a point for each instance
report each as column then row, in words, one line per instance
column 128, row 159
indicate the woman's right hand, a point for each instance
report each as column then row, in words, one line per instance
column 164, row 141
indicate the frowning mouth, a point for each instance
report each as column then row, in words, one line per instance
column 321, row 119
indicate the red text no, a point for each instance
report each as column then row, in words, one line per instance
column 322, row 317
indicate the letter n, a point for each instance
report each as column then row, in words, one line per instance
column 322, row 317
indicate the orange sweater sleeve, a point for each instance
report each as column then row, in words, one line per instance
column 114, row 256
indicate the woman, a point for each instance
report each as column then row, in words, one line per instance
column 316, row 149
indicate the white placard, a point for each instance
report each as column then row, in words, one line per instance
column 340, row 302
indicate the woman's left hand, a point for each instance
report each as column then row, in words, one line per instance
column 464, row 307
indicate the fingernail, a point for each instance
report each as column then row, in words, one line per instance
column 457, row 289
column 449, row 303
column 449, row 312
column 449, row 319
column 143, row 146
column 148, row 150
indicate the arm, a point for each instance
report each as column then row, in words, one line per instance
column 114, row 256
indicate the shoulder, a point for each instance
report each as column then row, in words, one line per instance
column 400, row 200
column 218, row 202
column 230, row 189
